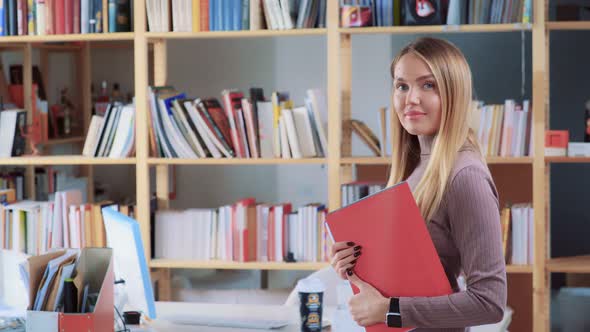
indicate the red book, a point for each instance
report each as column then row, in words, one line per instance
column 398, row 256
column 59, row 17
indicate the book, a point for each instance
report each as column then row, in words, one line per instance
column 399, row 258
column 366, row 135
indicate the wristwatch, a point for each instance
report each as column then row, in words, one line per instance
column 393, row 318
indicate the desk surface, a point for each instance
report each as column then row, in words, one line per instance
column 167, row 309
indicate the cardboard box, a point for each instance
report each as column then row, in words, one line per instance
column 94, row 268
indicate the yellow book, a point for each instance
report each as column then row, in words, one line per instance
column 196, row 15
column 505, row 220
column 31, row 17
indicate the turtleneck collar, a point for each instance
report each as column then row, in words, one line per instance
column 426, row 143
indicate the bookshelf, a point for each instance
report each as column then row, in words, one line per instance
column 529, row 284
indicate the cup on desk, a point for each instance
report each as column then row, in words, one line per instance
column 311, row 295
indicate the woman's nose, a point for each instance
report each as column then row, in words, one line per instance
column 413, row 96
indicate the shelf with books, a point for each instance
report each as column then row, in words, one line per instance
column 568, row 25
column 65, row 160
column 91, row 37
column 509, row 27
column 229, row 265
column 574, row 264
column 235, row 34
column 234, row 161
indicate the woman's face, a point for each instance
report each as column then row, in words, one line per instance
column 416, row 98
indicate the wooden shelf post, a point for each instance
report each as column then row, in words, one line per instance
column 162, row 171
column 541, row 294
column 334, row 105
column 141, row 128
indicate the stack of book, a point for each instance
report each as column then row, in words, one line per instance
column 356, row 13
column 353, row 191
column 234, row 15
column 244, row 231
column 239, row 127
column 518, row 233
column 112, row 135
column 503, row 130
column 58, row 17
column 35, row 227
column 13, row 180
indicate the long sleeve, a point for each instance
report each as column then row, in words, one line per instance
column 472, row 210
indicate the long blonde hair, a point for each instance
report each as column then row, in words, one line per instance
column 453, row 78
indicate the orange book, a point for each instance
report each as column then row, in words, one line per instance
column 399, row 258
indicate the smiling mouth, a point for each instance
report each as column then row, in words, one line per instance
column 414, row 114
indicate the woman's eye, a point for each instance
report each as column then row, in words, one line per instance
column 401, row 87
column 429, row 85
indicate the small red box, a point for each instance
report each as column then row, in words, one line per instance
column 557, row 138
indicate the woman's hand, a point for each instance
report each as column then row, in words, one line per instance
column 343, row 256
column 368, row 307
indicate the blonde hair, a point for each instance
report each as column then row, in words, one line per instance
column 453, row 79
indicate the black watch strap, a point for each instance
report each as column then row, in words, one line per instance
column 394, row 318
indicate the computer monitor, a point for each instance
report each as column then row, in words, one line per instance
column 130, row 264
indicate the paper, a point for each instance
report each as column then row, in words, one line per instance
column 48, row 278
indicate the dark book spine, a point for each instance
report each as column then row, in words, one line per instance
column 19, row 143
column 123, row 12
column 202, row 109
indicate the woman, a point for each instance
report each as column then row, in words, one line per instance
column 438, row 155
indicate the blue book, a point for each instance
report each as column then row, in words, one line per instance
column 212, row 5
column 2, row 17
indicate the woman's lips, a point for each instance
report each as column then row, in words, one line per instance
column 414, row 115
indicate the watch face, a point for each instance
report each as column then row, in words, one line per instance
column 394, row 320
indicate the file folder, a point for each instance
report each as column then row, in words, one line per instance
column 95, row 268
column 398, row 257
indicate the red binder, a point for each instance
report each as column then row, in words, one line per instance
column 398, row 256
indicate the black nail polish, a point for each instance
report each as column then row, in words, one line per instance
column 356, row 254
column 357, row 248
column 354, row 261
column 349, row 272
column 350, row 244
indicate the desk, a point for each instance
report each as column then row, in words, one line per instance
column 230, row 311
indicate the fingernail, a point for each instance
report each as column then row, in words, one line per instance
column 349, row 272
column 357, row 248
column 350, row 244
column 354, row 261
column 357, row 254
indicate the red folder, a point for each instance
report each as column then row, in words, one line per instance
column 398, row 256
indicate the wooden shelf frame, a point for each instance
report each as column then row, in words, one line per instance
column 303, row 266
column 370, row 160
column 64, row 160
column 235, row 34
column 436, row 29
column 235, row 161
column 575, row 264
column 568, row 25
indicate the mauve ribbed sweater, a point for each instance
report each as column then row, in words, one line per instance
column 466, row 232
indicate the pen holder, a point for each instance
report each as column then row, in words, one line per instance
column 95, row 268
